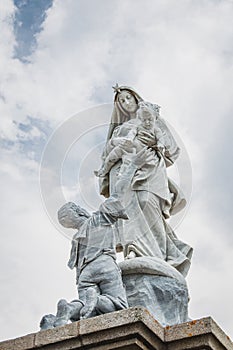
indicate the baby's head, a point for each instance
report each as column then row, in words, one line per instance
column 146, row 116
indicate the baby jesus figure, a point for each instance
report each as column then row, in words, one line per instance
column 133, row 136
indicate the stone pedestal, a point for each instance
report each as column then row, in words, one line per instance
column 164, row 297
column 130, row 329
column 153, row 283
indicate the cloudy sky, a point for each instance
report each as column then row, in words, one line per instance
column 59, row 60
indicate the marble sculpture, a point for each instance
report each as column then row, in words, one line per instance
column 140, row 198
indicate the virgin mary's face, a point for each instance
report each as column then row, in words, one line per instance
column 127, row 101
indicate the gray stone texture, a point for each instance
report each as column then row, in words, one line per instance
column 129, row 329
column 164, row 297
column 159, row 287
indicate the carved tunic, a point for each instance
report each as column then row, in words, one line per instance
column 96, row 236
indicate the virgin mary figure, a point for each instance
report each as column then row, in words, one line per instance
column 153, row 197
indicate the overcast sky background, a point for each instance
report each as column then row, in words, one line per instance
column 58, row 58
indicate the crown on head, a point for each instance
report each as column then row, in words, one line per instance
column 116, row 88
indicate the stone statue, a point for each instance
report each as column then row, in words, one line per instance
column 140, row 199
column 93, row 253
column 152, row 197
column 150, row 246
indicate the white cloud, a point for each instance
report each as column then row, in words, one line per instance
column 178, row 54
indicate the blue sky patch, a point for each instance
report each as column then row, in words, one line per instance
column 31, row 138
column 29, row 18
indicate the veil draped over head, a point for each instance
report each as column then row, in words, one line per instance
column 119, row 115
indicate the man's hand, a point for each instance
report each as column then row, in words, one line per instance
column 127, row 172
column 68, row 216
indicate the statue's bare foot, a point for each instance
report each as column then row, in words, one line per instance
column 131, row 255
column 91, row 301
column 47, row 322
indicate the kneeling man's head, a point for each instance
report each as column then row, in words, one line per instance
column 71, row 215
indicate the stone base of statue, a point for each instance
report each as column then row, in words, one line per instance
column 159, row 287
column 129, row 329
column 164, row 297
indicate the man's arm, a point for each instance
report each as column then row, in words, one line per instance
column 131, row 163
column 69, row 214
column 114, row 207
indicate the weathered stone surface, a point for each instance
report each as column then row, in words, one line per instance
column 130, row 329
column 164, row 297
column 51, row 336
column 205, row 326
column 122, row 318
column 22, row 343
column 117, row 327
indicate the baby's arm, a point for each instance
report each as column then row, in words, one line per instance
column 110, row 160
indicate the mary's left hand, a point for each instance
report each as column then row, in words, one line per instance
column 146, row 138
